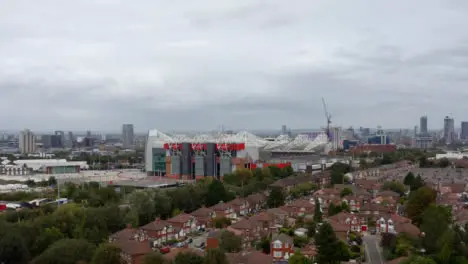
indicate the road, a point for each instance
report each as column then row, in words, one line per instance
column 373, row 251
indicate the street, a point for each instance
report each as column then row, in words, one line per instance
column 373, row 252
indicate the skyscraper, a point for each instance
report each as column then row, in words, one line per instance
column 449, row 130
column 27, row 142
column 61, row 134
column 127, row 135
column 284, row 130
column 464, row 130
column 423, row 125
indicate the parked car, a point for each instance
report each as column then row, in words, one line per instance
column 165, row 250
column 189, row 241
column 200, row 245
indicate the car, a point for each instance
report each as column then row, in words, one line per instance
column 200, row 245
column 189, row 241
column 165, row 250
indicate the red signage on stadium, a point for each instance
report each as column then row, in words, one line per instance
column 172, row 146
column 198, row 147
column 230, row 147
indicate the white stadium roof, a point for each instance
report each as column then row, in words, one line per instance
column 280, row 143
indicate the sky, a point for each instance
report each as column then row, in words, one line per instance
column 243, row 64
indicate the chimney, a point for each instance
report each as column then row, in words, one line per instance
column 129, row 225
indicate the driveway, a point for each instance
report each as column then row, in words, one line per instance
column 198, row 239
column 373, row 252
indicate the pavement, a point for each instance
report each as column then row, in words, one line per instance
column 198, row 239
column 373, row 251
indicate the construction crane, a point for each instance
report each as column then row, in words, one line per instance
column 328, row 117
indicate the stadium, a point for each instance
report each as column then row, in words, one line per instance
column 185, row 157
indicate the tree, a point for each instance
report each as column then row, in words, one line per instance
column 330, row 249
column 418, row 260
column 46, row 238
column 318, row 212
column 215, row 256
column 311, row 228
column 52, row 181
column 216, row 193
column 435, row 222
column 264, row 245
column 106, row 254
column 346, row 191
column 363, row 164
column 409, row 179
column 188, row 258
column 298, row 258
column 275, row 198
column 13, row 247
column 418, row 202
column 444, row 163
column 229, row 242
column 394, row 186
column 153, row 258
column 66, row 251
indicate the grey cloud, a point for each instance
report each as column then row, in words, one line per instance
column 245, row 64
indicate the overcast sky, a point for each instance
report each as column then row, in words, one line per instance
column 247, row 64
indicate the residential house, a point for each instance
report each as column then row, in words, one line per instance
column 187, row 223
column 341, row 230
column 387, row 195
column 257, row 201
column 280, row 216
column 282, row 247
column 354, row 222
column 204, row 216
column 240, row 206
column 160, row 231
column 310, row 251
column 265, row 220
column 396, row 224
column 133, row 244
column 249, row 230
column 302, row 207
column 354, row 202
column 224, row 210
column 371, row 186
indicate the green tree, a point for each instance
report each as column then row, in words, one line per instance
column 298, row 258
column 363, row 165
column 215, row 256
column 276, row 197
column 395, row 186
column 66, row 251
column 216, row 193
column 13, row 247
column 418, row 202
column 409, row 179
column 435, row 222
column 106, row 254
column 346, row 191
column 229, row 242
column 444, row 163
column 188, row 258
column 330, row 248
column 46, row 238
column 418, row 260
column 311, row 228
column 153, row 258
column 318, row 212
column 264, row 245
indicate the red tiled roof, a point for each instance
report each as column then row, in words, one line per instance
column 134, row 247
column 202, row 212
column 181, row 218
column 155, row 225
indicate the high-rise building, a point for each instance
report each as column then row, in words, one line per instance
column 61, row 135
column 449, row 130
column 127, row 135
column 464, row 130
column 284, row 130
column 70, row 140
column 423, row 125
column 27, row 142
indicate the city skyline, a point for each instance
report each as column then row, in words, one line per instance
column 249, row 64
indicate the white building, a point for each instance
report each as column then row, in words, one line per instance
column 27, row 142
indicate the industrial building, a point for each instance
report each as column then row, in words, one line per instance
column 180, row 156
